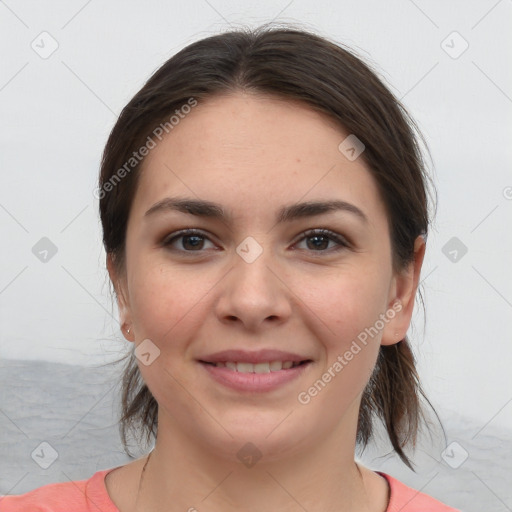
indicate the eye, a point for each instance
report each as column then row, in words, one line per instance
column 320, row 240
column 192, row 240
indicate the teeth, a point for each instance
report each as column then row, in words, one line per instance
column 262, row 368
column 273, row 366
column 245, row 367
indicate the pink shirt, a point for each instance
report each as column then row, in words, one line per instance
column 91, row 496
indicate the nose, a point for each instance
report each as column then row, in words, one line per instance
column 254, row 293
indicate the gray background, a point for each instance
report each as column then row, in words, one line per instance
column 58, row 324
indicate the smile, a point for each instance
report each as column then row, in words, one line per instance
column 255, row 377
column 264, row 367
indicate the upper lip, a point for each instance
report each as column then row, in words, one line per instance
column 260, row 356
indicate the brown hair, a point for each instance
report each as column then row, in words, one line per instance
column 292, row 64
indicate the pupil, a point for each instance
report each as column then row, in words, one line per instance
column 195, row 244
column 319, row 238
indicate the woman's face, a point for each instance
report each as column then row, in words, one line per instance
column 252, row 280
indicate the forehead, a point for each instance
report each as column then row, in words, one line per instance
column 255, row 151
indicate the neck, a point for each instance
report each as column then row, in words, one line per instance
column 182, row 474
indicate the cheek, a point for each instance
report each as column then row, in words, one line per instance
column 350, row 354
column 168, row 308
column 346, row 305
column 346, row 309
column 165, row 302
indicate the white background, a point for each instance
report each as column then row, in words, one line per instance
column 56, row 114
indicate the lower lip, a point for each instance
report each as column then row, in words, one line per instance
column 254, row 382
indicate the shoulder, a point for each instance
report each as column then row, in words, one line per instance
column 406, row 499
column 79, row 495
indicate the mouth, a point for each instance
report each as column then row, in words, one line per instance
column 263, row 367
column 254, row 378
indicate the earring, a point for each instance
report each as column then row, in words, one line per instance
column 128, row 331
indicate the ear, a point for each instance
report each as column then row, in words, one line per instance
column 123, row 303
column 402, row 297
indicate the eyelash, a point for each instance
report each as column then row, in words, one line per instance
column 341, row 241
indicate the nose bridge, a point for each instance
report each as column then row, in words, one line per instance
column 253, row 292
column 252, row 262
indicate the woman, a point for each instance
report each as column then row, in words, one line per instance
column 264, row 208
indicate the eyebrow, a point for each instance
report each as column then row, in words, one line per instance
column 202, row 208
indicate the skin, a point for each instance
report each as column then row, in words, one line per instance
column 254, row 154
